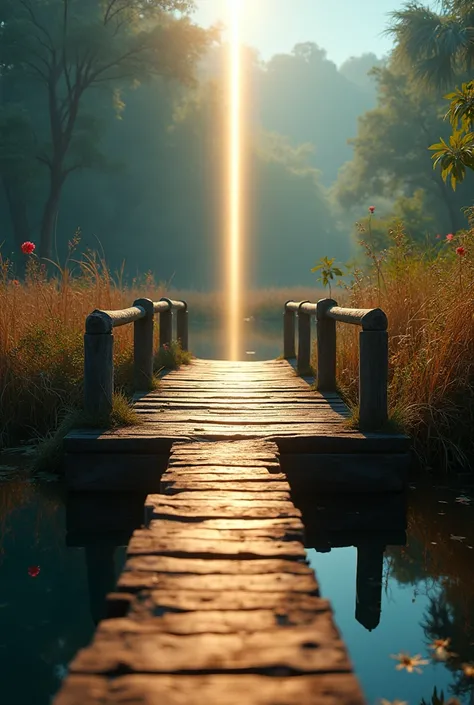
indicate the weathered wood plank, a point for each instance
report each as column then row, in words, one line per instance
column 232, row 483
column 132, row 581
column 301, row 650
column 143, row 541
column 215, row 495
column 176, row 529
column 221, row 621
column 211, row 689
column 200, row 566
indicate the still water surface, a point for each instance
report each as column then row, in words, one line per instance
column 427, row 584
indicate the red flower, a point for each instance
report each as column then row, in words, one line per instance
column 449, row 237
column 15, row 282
column 372, row 209
column 34, row 571
column 460, row 251
column 28, row 247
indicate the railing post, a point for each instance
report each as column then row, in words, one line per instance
column 373, row 379
column 326, row 344
column 98, row 364
column 182, row 326
column 304, row 340
column 288, row 334
column 143, row 347
column 166, row 324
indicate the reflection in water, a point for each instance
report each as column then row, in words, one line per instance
column 259, row 340
column 369, row 583
column 419, row 593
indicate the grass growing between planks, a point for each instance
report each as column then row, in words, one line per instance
column 171, row 357
column 427, row 293
column 50, row 449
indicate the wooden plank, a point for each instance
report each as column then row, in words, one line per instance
column 205, row 474
column 232, row 484
column 188, row 530
column 216, row 496
column 340, row 689
column 144, row 542
column 132, row 581
column 252, row 448
column 292, row 650
column 203, row 462
column 200, row 566
column 222, row 621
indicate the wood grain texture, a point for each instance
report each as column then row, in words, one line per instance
column 215, row 594
column 224, row 401
column 226, row 689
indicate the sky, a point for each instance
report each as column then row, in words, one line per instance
column 344, row 28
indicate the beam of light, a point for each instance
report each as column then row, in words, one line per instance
column 234, row 253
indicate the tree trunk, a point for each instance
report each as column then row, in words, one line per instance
column 49, row 216
column 17, row 208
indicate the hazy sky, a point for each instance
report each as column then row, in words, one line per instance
column 343, row 27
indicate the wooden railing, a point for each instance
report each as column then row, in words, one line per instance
column 373, row 351
column 99, row 347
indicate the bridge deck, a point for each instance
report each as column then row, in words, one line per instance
column 217, row 603
column 218, row 400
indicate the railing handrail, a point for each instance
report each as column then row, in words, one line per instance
column 368, row 318
column 98, row 346
column 373, row 351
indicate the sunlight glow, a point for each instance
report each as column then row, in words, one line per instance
column 234, row 253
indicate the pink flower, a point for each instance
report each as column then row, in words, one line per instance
column 438, row 237
column 28, row 247
column 460, row 251
column 34, row 571
column 371, row 209
column 449, row 237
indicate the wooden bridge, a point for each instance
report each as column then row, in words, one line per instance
column 217, row 602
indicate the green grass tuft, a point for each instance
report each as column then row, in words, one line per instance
column 50, row 449
column 171, row 357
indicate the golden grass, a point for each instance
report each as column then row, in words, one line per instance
column 428, row 296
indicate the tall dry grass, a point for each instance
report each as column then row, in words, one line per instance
column 427, row 293
column 41, row 339
column 42, row 320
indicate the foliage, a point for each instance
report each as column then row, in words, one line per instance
column 328, row 272
column 458, row 155
column 427, row 292
column 434, row 47
column 65, row 48
column 50, row 449
column 171, row 357
column 391, row 161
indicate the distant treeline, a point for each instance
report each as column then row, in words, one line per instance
column 102, row 128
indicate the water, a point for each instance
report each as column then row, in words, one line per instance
column 427, row 593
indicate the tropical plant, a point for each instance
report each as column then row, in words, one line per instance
column 436, row 47
column 328, row 271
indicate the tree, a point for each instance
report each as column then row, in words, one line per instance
column 390, row 152
column 70, row 47
column 439, row 48
column 436, row 47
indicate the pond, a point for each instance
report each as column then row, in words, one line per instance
column 389, row 595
